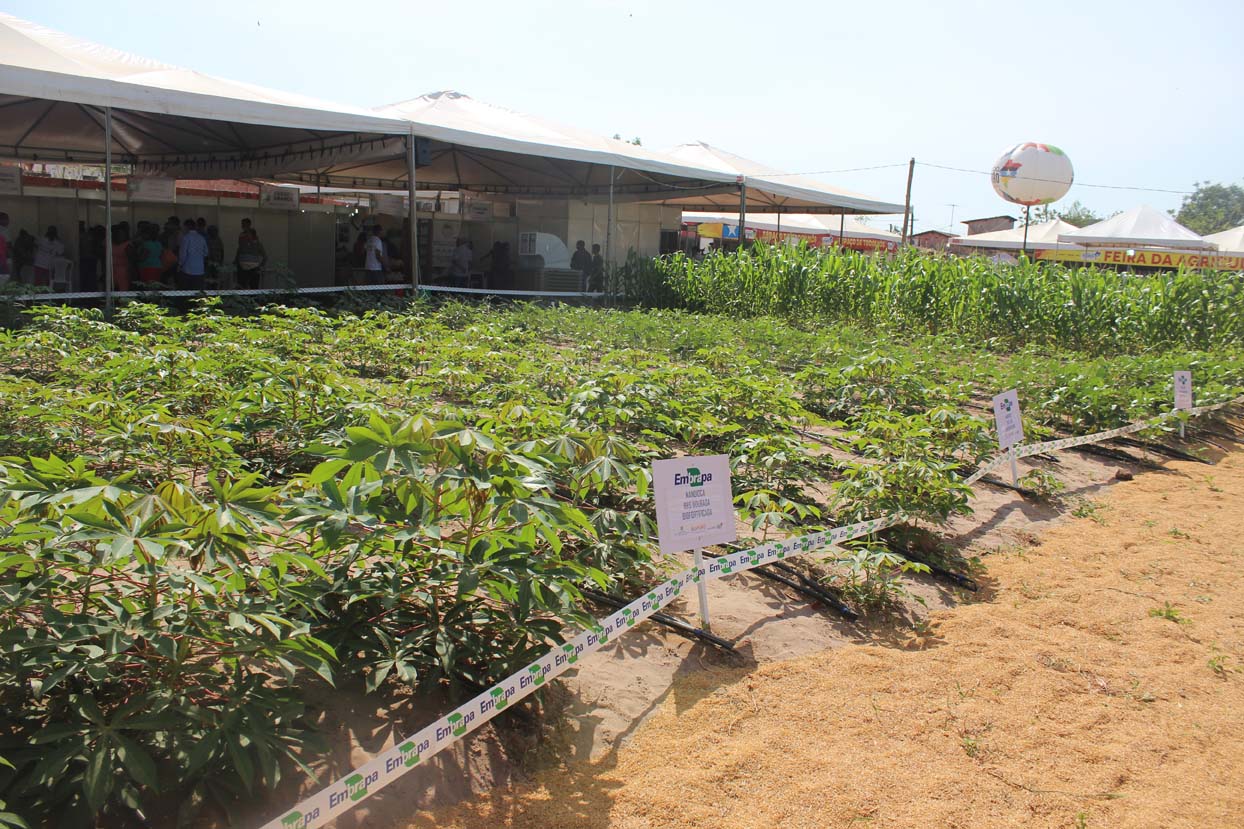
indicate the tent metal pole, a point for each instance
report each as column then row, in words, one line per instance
column 609, row 219
column 1026, row 209
column 412, row 211
column 842, row 231
column 108, row 274
column 742, row 210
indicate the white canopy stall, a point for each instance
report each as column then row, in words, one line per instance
column 1040, row 236
column 1142, row 226
column 815, row 228
column 1229, row 242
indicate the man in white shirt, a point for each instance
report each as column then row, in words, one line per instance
column 373, row 249
column 191, row 258
column 460, row 263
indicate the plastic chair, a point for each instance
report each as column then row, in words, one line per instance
column 62, row 274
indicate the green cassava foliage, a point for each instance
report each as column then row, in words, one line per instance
column 204, row 516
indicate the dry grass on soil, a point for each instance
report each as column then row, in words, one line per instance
column 1099, row 686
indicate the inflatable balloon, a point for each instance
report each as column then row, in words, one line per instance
column 1033, row 173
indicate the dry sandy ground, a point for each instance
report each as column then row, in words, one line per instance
column 1097, row 684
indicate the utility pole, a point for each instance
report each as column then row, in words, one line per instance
column 911, row 170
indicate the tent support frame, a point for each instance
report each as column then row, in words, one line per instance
column 412, row 210
column 108, row 272
column 609, row 219
column 742, row 210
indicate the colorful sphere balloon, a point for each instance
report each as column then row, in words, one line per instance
column 1033, row 173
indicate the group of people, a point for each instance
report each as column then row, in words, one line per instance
column 591, row 265
column 187, row 254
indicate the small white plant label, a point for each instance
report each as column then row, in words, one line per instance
column 1183, row 390
column 1007, row 418
column 695, row 504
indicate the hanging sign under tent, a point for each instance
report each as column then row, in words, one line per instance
column 278, row 198
column 10, row 180
column 152, row 189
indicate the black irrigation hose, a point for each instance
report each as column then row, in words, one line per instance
column 677, row 625
column 1115, row 455
column 1162, row 449
column 966, row 582
column 807, row 587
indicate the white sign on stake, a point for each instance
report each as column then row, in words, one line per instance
column 1007, row 419
column 1183, row 390
column 1183, row 396
column 695, row 507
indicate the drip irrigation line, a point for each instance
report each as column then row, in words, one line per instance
column 1116, row 455
column 677, row 625
column 807, row 586
column 1163, row 449
column 966, row 582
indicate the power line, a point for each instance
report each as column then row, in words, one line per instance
column 973, row 172
column 1079, row 184
column 834, row 172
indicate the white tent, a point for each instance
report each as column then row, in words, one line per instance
column 54, row 89
column 1141, row 226
column 1228, row 241
column 1043, row 235
column 483, row 148
column 802, row 223
column 769, row 190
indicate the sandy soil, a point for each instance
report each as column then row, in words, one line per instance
column 1096, row 682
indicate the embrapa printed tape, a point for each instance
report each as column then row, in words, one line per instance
column 332, row 801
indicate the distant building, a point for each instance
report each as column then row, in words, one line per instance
column 932, row 239
column 989, row 224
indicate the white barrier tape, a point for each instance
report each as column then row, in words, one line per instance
column 155, row 293
column 1028, row 450
column 364, row 781
column 331, row 801
column 338, row 798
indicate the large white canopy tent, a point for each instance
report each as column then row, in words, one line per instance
column 483, row 148
column 769, row 190
column 66, row 99
column 1228, row 241
column 1142, row 226
column 1043, row 235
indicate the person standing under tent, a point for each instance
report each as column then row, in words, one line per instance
column 374, row 258
column 149, row 254
column 47, row 251
column 461, row 262
column 191, row 259
column 596, row 279
column 88, row 259
column 5, row 269
column 215, row 255
column 120, row 258
column 581, row 261
column 251, row 257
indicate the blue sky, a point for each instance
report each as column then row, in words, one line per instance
column 1141, row 93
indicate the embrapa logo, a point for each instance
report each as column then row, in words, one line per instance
column 1006, row 404
column 410, row 754
column 694, row 477
column 356, row 787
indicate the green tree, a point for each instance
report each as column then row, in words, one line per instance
column 1212, row 208
column 1075, row 213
